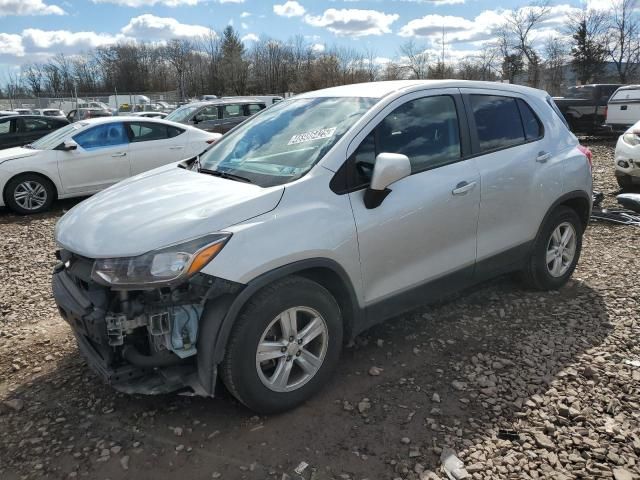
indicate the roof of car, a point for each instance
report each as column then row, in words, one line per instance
column 4, row 117
column 224, row 101
column 629, row 87
column 384, row 88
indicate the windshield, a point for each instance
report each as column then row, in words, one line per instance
column 51, row 141
column 182, row 113
column 282, row 143
column 582, row 93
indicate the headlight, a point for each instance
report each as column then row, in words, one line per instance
column 631, row 139
column 159, row 267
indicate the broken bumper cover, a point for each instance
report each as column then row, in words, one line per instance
column 87, row 321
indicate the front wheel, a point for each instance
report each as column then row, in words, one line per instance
column 285, row 345
column 556, row 251
column 29, row 193
column 625, row 182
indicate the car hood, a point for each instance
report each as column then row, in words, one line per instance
column 16, row 153
column 157, row 209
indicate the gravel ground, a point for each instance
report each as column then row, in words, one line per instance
column 519, row 384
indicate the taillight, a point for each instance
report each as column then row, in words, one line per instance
column 587, row 153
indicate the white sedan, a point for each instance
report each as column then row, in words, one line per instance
column 88, row 156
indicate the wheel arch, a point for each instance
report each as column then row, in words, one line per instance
column 30, row 172
column 577, row 200
column 323, row 271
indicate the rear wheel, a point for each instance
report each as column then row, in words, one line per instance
column 29, row 193
column 284, row 346
column 556, row 251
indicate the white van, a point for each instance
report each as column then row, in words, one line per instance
column 623, row 109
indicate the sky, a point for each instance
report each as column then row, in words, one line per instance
column 33, row 30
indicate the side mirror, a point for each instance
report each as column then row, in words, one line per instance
column 197, row 119
column 68, row 145
column 388, row 169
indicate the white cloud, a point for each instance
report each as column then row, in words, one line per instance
column 318, row 47
column 289, row 9
column 34, row 39
column 244, row 25
column 149, row 27
column 150, row 3
column 28, row 7
column 353, row 22
column 437, row 3
column 245, row 15
column 230, row 1
column 11, row 44
column 250, row 37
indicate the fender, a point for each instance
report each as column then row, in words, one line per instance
column 220, row 314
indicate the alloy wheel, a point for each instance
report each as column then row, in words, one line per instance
column 292, row 349
column 561, row 249
column 30, row 195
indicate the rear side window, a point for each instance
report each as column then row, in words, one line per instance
column 101, row 136
column 35, row 124
column 532, row 125
column 5, row 127
column 147, row 131
column 231, row 111
column 498, row 122
column 174, row 131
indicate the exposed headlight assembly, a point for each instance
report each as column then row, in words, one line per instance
column 162, row 267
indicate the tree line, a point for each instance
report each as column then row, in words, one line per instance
column 221, row 64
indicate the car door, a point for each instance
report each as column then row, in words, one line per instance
column 232, row 115
column 8, row 133
column 153, row 144
column 99, row 161
column 425, row 229
column 520, row 175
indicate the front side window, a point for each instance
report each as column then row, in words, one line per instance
column 498, row 122
column 34, row 124
column 426, row 130
column 147, row 131
column 101, row 136
column 182, row 114
column 254, row 108
column 55, row 138
column 208, row 113
column 232, row 111
column 286, row 140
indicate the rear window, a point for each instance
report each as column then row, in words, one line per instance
column 498, row 122
column 626, row 95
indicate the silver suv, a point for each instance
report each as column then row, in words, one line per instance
column 317, row 218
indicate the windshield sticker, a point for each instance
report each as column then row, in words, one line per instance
column 312, row 135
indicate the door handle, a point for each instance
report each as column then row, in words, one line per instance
column 543, row 157
column 463, row 188
column 180, row 147
column 119, row 154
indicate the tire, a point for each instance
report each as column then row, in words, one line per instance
column 261, row 320
column 539, row 274
column 35, row 194
column 625, row 182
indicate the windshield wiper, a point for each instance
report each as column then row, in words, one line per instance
column 221, row 174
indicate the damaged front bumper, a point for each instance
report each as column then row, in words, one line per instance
column 143, row 341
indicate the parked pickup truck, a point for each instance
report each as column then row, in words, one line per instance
column 623, row 109
column 585, row 106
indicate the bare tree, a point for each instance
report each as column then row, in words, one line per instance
column 417, row 59
column 556, row 53
column 176, row 52
column 517, row 32
column 623, row 46
column 33, row 77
